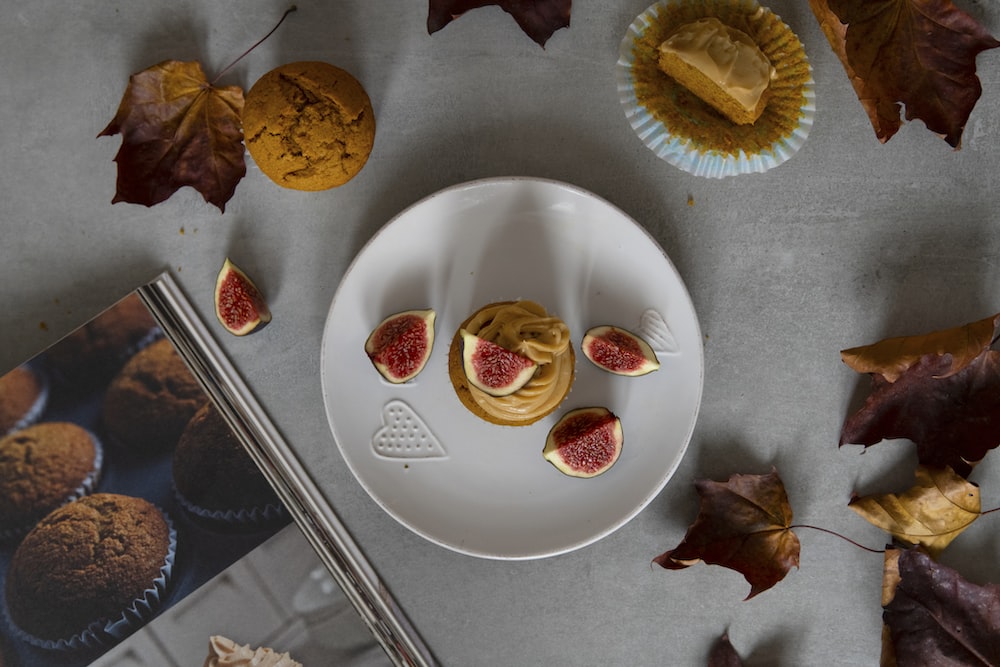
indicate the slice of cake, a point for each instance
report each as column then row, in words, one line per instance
column 721, row 65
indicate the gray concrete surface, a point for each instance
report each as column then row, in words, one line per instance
column 848, row 242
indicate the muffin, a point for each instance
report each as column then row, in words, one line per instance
column 23, row 396
column 681, row 127
column 93, row 353
column 86, row 566
column 41, row 468
column 309, row 125
column 523, row 327
column 151, row 400
column 214, row 476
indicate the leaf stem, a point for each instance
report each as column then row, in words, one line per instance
column 836, row 534
column 256, row 44
column 995, row 509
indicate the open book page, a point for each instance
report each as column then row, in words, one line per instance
column 148, row 504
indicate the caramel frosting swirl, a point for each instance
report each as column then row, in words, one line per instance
column 727, row 56
column 526, row 328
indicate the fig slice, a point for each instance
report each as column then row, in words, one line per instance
column 492, row 368
column 619, row 351
column 401, row 344
column 239, row 305
column 584, row 442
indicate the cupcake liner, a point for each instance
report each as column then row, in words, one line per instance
column 86, row 487
column 104, row 632
column 684, row 131
column 241, row 516
column 34, row 413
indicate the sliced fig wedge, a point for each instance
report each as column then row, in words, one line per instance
column 401, row 344
column 492, row 368
column 584, row 442
column 619, row 351
column 239, row 305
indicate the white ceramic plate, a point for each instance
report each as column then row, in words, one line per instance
column 453, row 478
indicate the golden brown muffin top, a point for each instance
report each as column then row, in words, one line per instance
column 85, row 561
column 40, row 468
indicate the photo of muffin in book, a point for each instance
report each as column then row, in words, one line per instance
column 137, row 476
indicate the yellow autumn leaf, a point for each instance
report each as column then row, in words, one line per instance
column 932, row 513
column 892, row 356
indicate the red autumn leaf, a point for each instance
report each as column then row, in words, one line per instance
column 917, row 54
column 935, row 617
column 177, row 130
column 954, row 420
column 537, row 18
column 724, row 655
column 743, row 524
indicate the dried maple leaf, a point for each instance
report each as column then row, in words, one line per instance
column 954, row 419
column 932, row 513
column 917, row 54
column 933, row 616
column 743, row 524
column 892, row 356
column 537, row 18
column 177, row 130
column 723, row 654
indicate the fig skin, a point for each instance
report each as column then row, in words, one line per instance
column 473, row 345
column 391, row 342
column 593, row 435
column 239, row 305
column 619, row 351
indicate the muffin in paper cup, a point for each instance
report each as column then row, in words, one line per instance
column 57, row 470
column 685, row 131
column 215, row 478
column 92, row 354
column 24, row 395
column 104, row 632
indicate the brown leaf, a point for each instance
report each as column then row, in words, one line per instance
column 723, row 654
column 935, row 617
column 177, row 130
column 954, row 420
column 743, row 524
column 932, row 513
column 892, row 356
column 917, row 54
column 537, row 18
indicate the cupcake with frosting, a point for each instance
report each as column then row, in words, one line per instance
column 526, row 329
column 224, row 652
column 716, row 87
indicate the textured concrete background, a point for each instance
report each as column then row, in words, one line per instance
column 848, row 242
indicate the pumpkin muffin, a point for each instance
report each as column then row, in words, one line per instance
column 214, row 475
column 525, row 328
column 151, row 400
column 93, row 353
column 670, row 105
column 309, row 125
column 86, row 563
column 42, row 467
column 23, row 397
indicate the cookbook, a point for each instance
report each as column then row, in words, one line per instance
column 151, row 512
